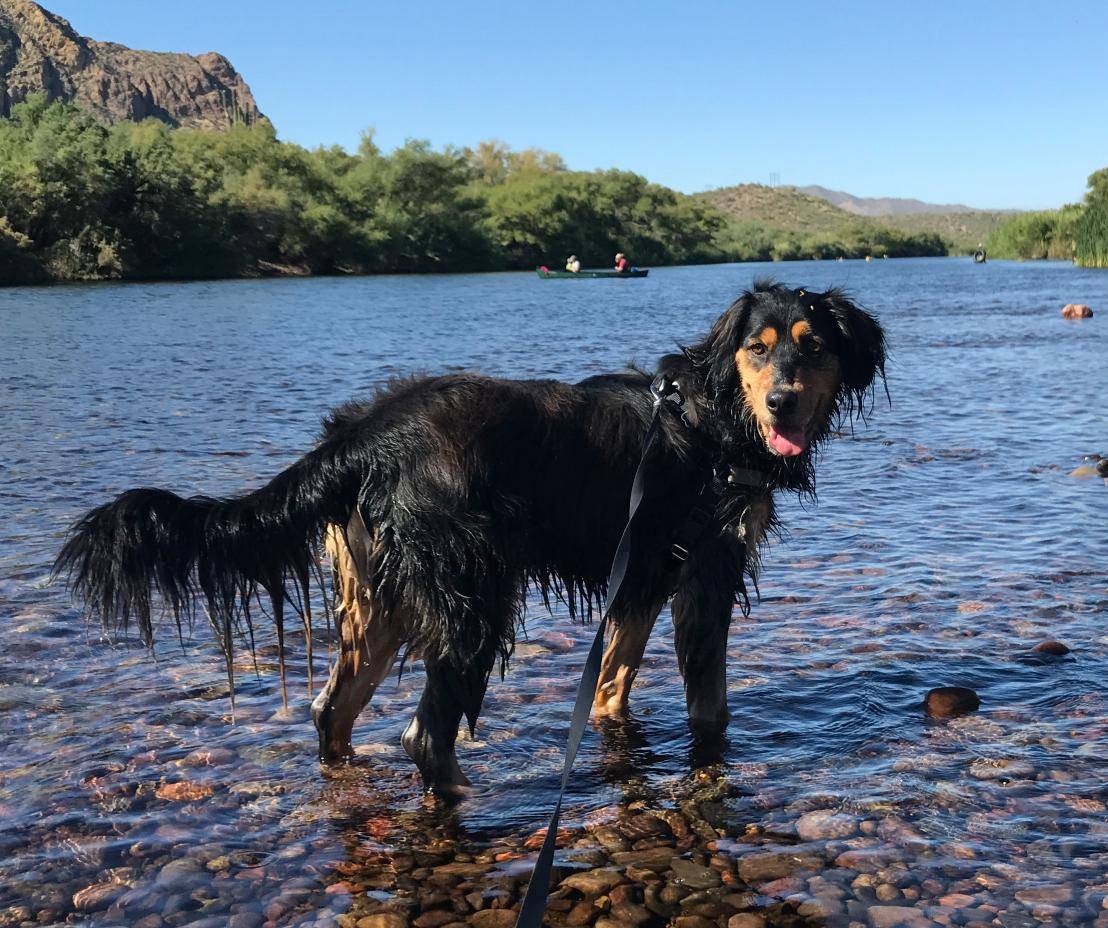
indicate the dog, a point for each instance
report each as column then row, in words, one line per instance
column 442, row 500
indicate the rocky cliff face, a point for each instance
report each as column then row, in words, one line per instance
column 41, row 53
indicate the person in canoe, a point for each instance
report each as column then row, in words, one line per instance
column 621, row 262
column 572, row 264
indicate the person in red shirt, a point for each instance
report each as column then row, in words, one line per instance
column 621, row 262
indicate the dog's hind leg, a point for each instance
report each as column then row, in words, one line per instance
column 367, row 648
column 453, row 689
column 622, row 658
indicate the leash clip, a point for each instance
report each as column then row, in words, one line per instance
column 665, row 390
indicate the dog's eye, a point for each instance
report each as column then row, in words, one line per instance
column 757, row 348
column 814, row 347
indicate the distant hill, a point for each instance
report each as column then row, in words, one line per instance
column 962, row 231
column 41, row 53
column 881, row 206
column 794, row 210
column 778, row 208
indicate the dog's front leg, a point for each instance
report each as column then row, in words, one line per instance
column 701, row 619
column 621, row 660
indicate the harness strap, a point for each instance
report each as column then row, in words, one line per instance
column 664, row 391
column 534, row 902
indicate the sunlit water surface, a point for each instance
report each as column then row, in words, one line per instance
column 949, row 539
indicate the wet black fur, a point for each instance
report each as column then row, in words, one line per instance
column 476, row 488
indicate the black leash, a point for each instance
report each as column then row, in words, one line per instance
column 664, row 390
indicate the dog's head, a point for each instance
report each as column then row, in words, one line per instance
column 782, row 365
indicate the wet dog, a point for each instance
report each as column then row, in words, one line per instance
column 443, row 499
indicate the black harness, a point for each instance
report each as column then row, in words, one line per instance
column 665, row 391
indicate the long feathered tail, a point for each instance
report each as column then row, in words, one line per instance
column 223, row 553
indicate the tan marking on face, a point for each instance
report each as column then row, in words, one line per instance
column 800, row 329
column 768, row 337
column 756, row 376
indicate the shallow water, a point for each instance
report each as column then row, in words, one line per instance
column 948, row 540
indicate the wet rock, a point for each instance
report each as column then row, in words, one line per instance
column 944, row 702
column 867, row 859
column 644, row 826
column 886, row 892
column 246, row 920
column 594, row 882
column 1076, row 311
column 435, row 919
column 493, row 918
column 1051, row 648
column 584, row 913
column 630, row 913
column 183, row 791
column 98, row 896
column 209, row 757
column 692, row 875
column 746, row 920
column 383, row 920
column 179, row 875
column 826, row 825
column 1052, row 895
column 761, row 867
column 897, row 916
column 656, row 859
column 956, row 900
column 693, row 921
column 990, row 768
column 149, row 921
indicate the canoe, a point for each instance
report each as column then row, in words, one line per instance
column 547, row 274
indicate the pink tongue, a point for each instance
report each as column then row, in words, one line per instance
column 789, row 443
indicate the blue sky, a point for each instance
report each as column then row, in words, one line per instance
column 992, row 104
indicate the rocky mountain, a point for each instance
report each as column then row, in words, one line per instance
column 41, row 53
column 881, row 206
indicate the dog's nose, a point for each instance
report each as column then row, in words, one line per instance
column 781, row 402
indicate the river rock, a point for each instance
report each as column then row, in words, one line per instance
column 746, row 920
column 183, row 791
column 383, row 920
column 97, row 896
column 897, row 916
column 181, row 874
column 1051, row 648
column 1076, row 311
column 826, row 825
column 761, row 867
column 1058, row 894
column 944, row 702
column 989, row 768
column 694, row 876
column 493, row 918
column 594, row 882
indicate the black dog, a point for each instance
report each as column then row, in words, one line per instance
column 443, row 499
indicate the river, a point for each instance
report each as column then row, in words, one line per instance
column 950, row 538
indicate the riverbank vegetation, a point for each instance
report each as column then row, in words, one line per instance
column 1076, row 231
column 84, row 201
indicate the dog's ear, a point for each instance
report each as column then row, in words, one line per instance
column 861, row 345
column 714, row 355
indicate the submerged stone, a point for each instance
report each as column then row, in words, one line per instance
column 944, row 702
